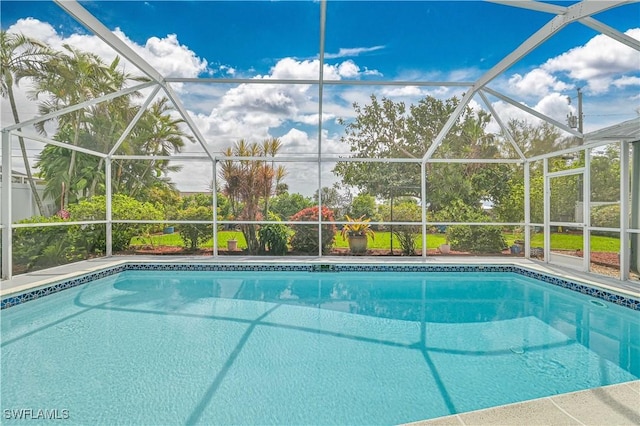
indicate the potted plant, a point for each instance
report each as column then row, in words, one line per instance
column 357, row 231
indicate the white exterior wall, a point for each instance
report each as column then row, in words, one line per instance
column 24, row 206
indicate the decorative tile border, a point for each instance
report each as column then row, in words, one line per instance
column 17, row 299
column 550, row 279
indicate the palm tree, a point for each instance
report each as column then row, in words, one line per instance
column 70, row 78
column 247, row 182
column 21, row 57
column 156, row 133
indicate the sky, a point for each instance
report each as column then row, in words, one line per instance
column 456, row 41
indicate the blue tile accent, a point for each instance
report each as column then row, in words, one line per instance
column 14, row 300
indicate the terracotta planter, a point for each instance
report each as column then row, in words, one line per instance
column 358, row 244
column 444, row 248
column 232, row 245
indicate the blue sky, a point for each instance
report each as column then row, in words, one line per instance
column 413, row 35
column 365, row 40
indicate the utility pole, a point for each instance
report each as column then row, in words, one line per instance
column 580, row 117
column 573, row 121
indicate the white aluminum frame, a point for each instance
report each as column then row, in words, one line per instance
column 581, row 12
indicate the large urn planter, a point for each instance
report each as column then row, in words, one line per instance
column 358, row 244
column 356, row 232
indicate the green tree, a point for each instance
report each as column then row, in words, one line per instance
column 157, row 133
column 73, row 76
column 386, row 129
column 364, row 205
column 535, row 139
column 286, row 205
column 334, row 199
column 21, row 57
column 249, row 184
column 195, row 234
column 605, row 174
column 69, row 78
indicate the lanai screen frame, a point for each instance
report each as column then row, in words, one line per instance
column 562, row 16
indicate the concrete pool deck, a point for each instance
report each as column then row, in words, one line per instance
column 609, row 405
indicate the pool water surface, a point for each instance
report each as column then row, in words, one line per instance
column 243, row 347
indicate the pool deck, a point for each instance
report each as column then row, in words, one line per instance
column 609, row 405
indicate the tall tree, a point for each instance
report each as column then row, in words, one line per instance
column 248, row 183
column 533, row 139
column 156, row 133
column 69, row 78
column 20, row 57
column 386, row 129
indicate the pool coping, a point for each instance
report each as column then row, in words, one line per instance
column 607, row 405
column 562, row 408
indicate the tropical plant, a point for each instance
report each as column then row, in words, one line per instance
column 249, row 184
column 157, row 133
column 407, row 211
column 357, row 227
column 70, row 78
column 274, row 237
column 21, row 57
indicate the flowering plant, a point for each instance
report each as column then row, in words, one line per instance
column 63, row 214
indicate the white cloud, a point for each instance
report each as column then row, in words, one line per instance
column 403, row 91
column 166, row 54
column 348, row 69
column 536, row 82
column 626, row 81
column 351, row 52
column 554, row 105
column 598, row 61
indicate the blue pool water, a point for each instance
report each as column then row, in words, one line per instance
column 143, row 347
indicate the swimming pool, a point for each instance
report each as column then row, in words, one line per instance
column 348, row 344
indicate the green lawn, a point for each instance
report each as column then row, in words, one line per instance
column 382, row 241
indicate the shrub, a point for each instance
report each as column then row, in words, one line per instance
column 122, row 207
column 195, row 234
column 407, row 234
column 476, row 239
column 44, row 246
column 305, row 237
column 606, row 216
column 273, row 237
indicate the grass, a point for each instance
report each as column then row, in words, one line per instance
column 383, row 241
